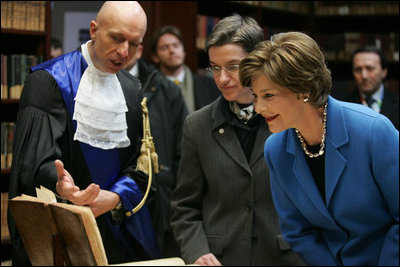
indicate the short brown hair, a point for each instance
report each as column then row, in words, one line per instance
column 235, row 29
column 171, row 29
column 292, row 60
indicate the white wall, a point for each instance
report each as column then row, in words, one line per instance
column 58, row 10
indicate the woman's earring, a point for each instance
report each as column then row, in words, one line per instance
column 305, row 99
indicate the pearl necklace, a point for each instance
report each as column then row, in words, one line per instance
column 322, row 145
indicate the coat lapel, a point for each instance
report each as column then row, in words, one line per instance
column 304, row 176
column 228, row 140
column 258, row 148
column 226, row 137
column 335, row 162
column 336, row 137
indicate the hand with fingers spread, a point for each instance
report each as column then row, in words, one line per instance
column 208, row 260
column 100, row 201
column 67, row 189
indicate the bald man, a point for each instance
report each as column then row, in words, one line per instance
column 79, row 131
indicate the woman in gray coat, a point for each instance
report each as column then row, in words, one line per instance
column 221, row 209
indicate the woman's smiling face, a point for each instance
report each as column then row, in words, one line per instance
column 280, row 107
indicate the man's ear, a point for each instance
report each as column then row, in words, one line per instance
column 139, row 51
column 155, row 58
column 384, row 73
column 93, row 30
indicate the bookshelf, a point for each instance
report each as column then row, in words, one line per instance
column 338, row 27
column 343, row 26
column 268, row 14
column 25, row 32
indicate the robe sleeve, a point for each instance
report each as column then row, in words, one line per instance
column 40, row 124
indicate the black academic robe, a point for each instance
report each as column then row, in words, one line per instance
column 44, row 132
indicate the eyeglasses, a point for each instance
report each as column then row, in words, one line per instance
column 215, row 70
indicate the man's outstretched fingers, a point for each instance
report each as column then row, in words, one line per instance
column 60, row 168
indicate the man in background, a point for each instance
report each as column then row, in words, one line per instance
column 56, row 48
column 369, row 71
column 169, row 53
column 167, row 112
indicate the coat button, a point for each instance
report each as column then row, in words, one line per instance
column 249, row 208
column 221, row 130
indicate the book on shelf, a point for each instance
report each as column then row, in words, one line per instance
column 7, row 139
column 355, row 8
column 205, row 24
column 14, row 71
column 300, row 7
column 23, row 15
column 340, row 46
column 4, row 84
column 5, row 234
column 63, row 234
column 3, row 144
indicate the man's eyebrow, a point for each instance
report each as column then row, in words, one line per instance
column 233, row 61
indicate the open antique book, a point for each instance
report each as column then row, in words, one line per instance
column 62, row 234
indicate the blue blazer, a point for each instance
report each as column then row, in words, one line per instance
column 358, row 223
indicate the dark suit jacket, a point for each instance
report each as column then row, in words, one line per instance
column 205, row 90
column 390, row 104
column 167, row 112
column 222, row 203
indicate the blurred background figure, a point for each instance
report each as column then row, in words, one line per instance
column 168, row 52
column 167, row 112
column 369, row 71
column 56, row 48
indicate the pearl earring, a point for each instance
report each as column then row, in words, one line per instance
column 305, row 99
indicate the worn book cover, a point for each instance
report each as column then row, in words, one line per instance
column 49, row 229
column 63, row 234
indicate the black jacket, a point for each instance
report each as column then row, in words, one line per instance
column 389, row 108
column 167, row 111
column 205, row 90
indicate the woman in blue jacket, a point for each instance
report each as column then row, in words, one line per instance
column 334, row 166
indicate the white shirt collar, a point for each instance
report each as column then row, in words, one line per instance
column 377, row 96
column 135, row 70
column 180, row 77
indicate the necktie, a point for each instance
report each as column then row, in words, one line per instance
column 369, row 101
column 177, row 82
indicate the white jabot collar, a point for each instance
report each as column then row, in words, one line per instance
column 100, row 108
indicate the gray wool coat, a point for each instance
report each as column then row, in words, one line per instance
column 222, row 203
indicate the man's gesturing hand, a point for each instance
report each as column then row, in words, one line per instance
column 67, row 189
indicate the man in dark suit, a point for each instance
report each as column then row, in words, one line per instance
column 169, row 53
column 369, row 71
column 167, row 112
